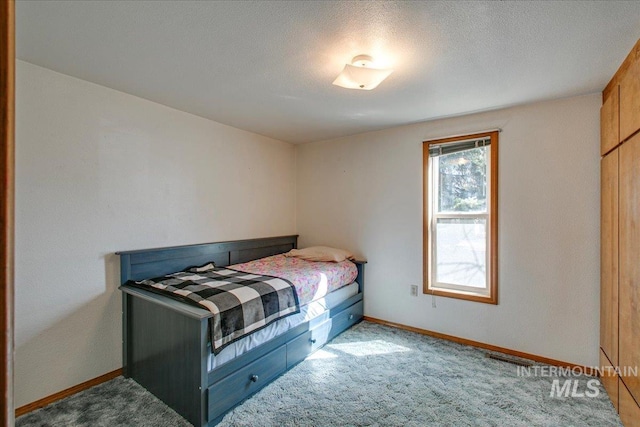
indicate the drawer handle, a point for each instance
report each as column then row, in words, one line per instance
column 351, row 317
column 312, row 340
column 254, row 378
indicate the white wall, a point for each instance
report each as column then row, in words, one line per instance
column 99, row 171
column 364, row 193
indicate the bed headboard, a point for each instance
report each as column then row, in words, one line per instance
column 147, row 263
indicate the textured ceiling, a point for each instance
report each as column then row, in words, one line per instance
column 267, row 67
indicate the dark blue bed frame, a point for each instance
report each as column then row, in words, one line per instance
column 166, row 345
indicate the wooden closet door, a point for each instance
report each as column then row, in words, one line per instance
column 629, row 410
column 630, row 101
column 609, row 123
column 609, row 379
column 609, row 256
column 629, row 252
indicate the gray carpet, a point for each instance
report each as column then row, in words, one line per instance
column 371, row 375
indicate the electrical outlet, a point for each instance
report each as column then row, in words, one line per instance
column 414, row 290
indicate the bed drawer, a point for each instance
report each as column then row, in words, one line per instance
column 346, row 318
column 307, row 343
column 231, row 390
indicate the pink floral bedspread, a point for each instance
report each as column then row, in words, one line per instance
column 312, row 279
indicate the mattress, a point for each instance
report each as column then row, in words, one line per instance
column 316, row 312
column 311, row 279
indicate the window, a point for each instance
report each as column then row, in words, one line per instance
column 461, row 217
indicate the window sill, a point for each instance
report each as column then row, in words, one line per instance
column 469, row 296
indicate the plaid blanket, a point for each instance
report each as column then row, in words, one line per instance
column 241, row 303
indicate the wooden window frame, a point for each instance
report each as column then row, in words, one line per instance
column 492, row 223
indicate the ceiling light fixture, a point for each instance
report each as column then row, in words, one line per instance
column 360, row 74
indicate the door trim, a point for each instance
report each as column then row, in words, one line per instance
column 7, row 159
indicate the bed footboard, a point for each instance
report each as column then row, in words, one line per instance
column 166, row 354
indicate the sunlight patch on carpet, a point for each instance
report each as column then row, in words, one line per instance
column 322, row 354
column 368, row 348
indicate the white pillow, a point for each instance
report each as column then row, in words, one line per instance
column 320, row 253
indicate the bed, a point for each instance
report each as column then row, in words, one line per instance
column 167, row 344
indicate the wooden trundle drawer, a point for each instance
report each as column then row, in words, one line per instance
column 307, row 343
column 229, row 391
column 346, row 318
